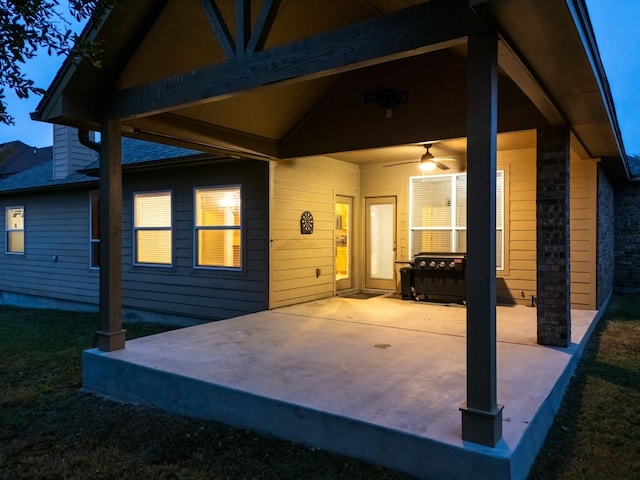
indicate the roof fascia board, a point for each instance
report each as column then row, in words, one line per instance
column 425, row 27
column 50, row 105
column 580, row 15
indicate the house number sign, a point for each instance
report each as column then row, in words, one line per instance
column 306, row 223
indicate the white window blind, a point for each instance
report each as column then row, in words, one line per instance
column 438, row 214
column 153, row 228
column 218, row 227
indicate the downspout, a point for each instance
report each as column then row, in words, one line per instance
column 83, row 138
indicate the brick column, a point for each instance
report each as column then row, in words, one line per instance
column 552, row 233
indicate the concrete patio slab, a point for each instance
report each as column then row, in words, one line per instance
column 379, row 379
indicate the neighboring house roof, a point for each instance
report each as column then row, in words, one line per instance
column 134, row 152
column 17, row 156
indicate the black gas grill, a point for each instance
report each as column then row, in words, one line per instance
column 437, row 277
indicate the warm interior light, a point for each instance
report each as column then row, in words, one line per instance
column 427, row 165
column 427, row 162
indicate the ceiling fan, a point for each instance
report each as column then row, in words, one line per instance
column 428, row 162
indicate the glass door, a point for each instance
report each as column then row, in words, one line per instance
column 344, row 242
column 380, row 243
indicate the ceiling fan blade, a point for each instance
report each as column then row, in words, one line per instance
column 441, row 165
column 401, row 163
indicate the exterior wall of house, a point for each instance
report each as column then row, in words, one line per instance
column 606, row 239
column 627, row 238
column 69, row 154
column 55, row 264
column 584, row 232
column 517, row 281
column 54, row 271
column 302, row 266
column 181, row 289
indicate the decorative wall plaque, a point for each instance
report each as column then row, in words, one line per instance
column 306, row 223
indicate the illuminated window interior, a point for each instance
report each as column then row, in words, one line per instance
column 438, row 214
column 152, row 228
column 14, row 229
column 218, row 227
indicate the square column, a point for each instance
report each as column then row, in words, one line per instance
column 481, row 415
column 553, row 265
column 111, row 336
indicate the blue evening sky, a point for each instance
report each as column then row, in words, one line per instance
column 616, row 24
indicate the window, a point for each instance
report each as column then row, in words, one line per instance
column 218, row 227
column 438, row 214
column 94, row 233
column 152, row 227
column 15, row 229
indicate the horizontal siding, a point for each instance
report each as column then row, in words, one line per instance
column 56, row 226
column 57, row 223
column 519, row 277
column 182, row 289
column 299, row 185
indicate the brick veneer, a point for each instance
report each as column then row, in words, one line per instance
column 552, row 225
column 605, row 239
column 627, row 238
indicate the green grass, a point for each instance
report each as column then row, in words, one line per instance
column 596, row 434
column 49, row 429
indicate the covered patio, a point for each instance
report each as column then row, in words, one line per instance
column 379, row 379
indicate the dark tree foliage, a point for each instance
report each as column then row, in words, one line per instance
column 28, row 27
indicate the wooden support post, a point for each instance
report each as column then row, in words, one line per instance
column 111, row 336
column 481, row 415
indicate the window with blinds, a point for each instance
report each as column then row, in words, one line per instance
column 218, row 227
column 438, row 214
column 14, row 228
column 152, row 227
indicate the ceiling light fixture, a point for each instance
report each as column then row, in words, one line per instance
column 427, row 161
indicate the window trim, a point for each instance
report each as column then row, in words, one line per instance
column 134, row 229
column 6, row 230
column 94, row 241
column 239, row 227
column 454, row 227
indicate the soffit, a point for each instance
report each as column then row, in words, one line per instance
column 141, row 49
column 553, row 48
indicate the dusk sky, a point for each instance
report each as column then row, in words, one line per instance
column 616, row 24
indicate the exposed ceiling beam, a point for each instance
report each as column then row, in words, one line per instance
column 426, row 27
column 219, row 27
column 205, row 136
column 243, row 25
column 263, row 25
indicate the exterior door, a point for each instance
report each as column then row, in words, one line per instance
column 344, row 243
column 380, row 243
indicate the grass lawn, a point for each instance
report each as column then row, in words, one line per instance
column 50, row 430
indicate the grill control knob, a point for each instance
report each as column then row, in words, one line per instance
column 452, row 265
column 423, row 264
column 442, row 265
column 432, row 264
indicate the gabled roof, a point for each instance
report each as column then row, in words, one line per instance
column 17, row 156
column 318, row 78
column 134, row 152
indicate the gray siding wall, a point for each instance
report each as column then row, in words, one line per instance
column 69, row 154
column 606, row 239
column 182, row 289
column 57, row 224
column 56, row 259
